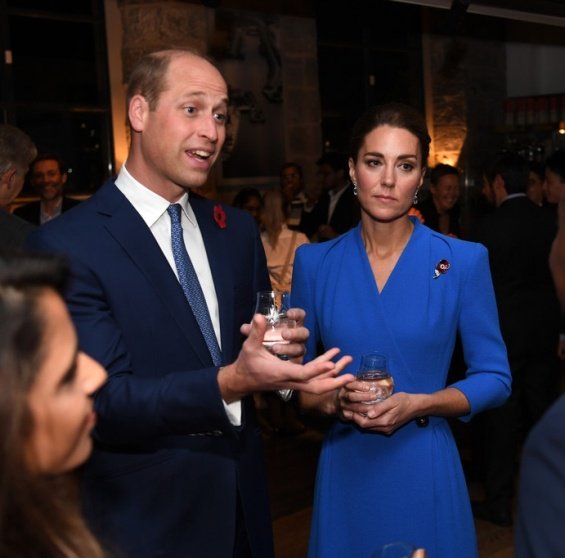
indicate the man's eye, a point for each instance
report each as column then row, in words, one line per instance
column 220, row 117
column 189, row 110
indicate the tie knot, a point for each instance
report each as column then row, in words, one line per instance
column 174, row 211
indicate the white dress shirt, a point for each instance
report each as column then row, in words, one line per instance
column 153, row 210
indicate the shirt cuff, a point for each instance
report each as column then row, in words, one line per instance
column 233, row 410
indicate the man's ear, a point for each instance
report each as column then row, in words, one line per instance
column 8, row 178
column 138, row 108
column 499, row 185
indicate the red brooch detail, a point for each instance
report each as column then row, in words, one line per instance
column 441, row 268
column 220, row 216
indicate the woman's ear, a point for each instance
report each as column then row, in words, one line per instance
column 352, row 174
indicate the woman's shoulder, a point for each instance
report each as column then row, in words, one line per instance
column 454, row 243
column 313, row 254
column 464, row 254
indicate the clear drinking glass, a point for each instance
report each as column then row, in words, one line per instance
column 374, row 371
column 274, row 306
column 395, row 550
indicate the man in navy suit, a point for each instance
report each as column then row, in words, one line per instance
column 337, row 210
column 177, row 469
column 518, row 237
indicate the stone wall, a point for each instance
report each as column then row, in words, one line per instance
column 149, row 25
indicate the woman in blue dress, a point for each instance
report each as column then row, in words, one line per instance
column 391, row 471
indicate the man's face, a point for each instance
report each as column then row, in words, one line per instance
column 553, row 186
column 291, row 183
column 327, row 177
column 535, row 188
column 487, row 190
column 181, row 139
column 446, row 192
column 47, row 179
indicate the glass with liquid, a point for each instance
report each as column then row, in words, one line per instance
column 375, row 373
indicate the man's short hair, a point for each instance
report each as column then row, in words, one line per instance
column 442, row 170
column 556, row 163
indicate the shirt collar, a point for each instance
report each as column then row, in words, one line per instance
column 147, row 203
column 512, row 196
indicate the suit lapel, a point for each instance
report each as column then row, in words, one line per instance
column 215, row 242
column 128, row 229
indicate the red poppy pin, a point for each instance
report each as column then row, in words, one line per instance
column 220, row 216
column 441, row 268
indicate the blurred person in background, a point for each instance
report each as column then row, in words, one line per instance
column 337, row 209
column 280, row 244
column 17, row 151
column 249, row 199
column 440, row 210
column 536, row 178
column 48, row 176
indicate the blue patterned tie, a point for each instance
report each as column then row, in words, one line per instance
column 190, row 284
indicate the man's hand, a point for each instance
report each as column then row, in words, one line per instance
column 257, row 369
column 297, row 336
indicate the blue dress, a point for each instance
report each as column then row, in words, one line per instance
column 373, row 489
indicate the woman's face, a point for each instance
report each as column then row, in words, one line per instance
column 388, row 171
column 446, row 192
column 60, row 397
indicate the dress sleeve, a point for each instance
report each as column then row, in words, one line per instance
column 488, row 378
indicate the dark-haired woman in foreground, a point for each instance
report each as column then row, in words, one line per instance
column 390, row 471
column 46, row 414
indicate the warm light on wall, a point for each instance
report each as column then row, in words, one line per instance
column 562, row 127
column 447, row 158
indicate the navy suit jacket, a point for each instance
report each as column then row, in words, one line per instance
column 168, row 465
column 32, row 211
column 345, row 216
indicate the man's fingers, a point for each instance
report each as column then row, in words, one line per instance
column 320, row 385
column 297, row 314
column 257, row 330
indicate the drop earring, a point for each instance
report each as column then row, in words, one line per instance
column 355, row 188
column 415, row 200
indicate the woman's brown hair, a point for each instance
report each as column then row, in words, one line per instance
column 39, row 515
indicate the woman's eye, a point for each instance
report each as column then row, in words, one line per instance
column 407, row 167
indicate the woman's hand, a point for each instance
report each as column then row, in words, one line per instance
column 384, row 416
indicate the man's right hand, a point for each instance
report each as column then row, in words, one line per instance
column 256, row 369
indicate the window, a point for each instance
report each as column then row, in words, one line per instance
column 54, row 84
